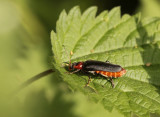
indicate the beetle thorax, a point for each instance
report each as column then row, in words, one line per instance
column 78, row 65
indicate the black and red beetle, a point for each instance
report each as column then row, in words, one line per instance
column 105, row 69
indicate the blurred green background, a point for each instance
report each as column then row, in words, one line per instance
column 25, row 50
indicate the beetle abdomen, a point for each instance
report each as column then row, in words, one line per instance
column 111, row 74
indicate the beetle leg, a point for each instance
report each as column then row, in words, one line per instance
column 111, row 80
column 73, row 71
column 89, row 80
column 107, row 61
column 87, row 85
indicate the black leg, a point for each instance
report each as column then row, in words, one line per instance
column 89, row 80
column 87, row 85
column 73, row 71
column 111, row 80
column 107, row 61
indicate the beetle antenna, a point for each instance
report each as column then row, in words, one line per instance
column 68, row 56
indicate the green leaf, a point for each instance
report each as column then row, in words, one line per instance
column 128, row 41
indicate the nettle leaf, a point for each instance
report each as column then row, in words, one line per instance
column 128, row 41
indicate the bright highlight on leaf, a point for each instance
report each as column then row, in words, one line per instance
column 128, row 41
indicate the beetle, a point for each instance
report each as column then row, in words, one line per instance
column 105, row 69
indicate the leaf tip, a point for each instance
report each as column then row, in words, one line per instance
column 75, row 8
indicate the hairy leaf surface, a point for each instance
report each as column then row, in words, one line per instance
column 129, row 41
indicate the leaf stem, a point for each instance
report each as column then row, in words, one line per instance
column 33, row 79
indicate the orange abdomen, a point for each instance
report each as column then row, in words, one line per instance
column 112, row 74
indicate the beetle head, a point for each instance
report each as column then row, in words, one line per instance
column 72, row 66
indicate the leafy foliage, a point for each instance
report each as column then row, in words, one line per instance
column 25, row 53
column 129, row 41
